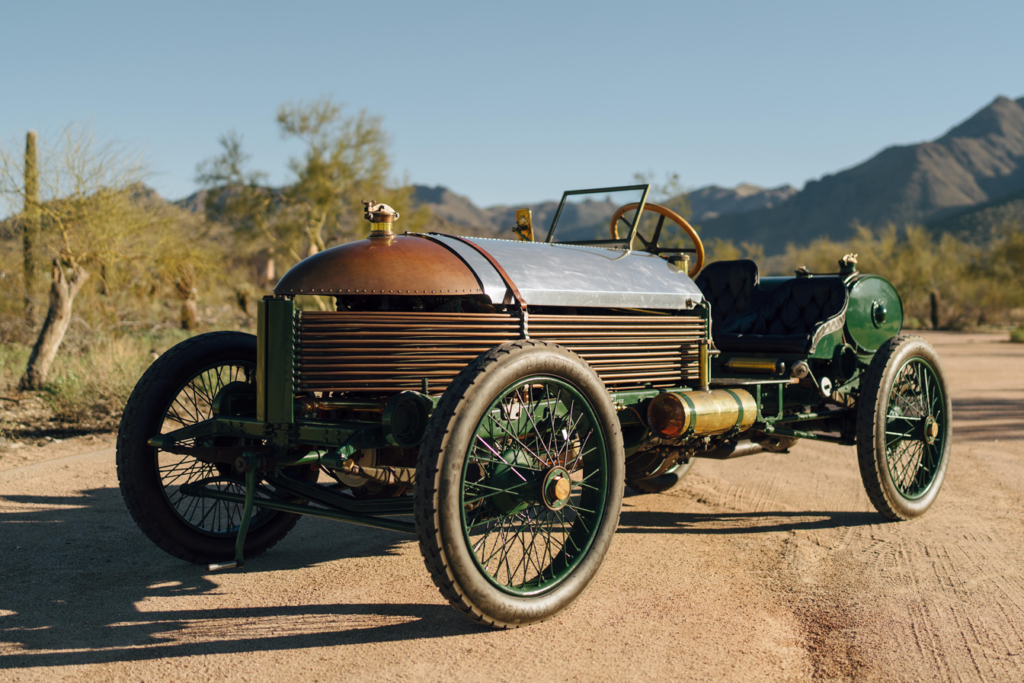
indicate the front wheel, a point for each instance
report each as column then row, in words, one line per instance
column 519, row 484
column 179, row 390
column 904, row 427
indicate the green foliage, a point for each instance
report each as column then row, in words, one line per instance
column 95, row 213
column 126, row 245
column 716, row 249
column 1017, row 335
column 344, row 161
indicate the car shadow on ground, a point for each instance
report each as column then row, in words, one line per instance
column 77, row 574
column 723, row 523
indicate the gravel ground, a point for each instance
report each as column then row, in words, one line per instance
column 773, row 568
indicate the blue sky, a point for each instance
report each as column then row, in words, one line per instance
column 513, row 102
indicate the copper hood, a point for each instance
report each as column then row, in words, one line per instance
column 399, row 264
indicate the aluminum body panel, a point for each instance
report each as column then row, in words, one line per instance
column 569, row 275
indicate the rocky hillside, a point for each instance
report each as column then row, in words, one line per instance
column 454, row 211
column 970, row 176
column 978, row 161
column 714, row 201
column 976, row 223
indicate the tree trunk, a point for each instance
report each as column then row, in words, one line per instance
column 934, row 300
column 270, row 274
column 58, row 317
column 189, row 295
column 244, row 300
column 189, row 315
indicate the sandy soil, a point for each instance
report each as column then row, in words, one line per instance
column 771, row 568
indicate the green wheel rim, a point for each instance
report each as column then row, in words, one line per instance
column 916, row 406
column 524, row 540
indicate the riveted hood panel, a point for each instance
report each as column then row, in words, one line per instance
column 400, row 265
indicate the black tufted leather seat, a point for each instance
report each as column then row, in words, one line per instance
column 791, row 319
column 730, row 287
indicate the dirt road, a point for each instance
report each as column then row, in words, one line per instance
column 773, row 567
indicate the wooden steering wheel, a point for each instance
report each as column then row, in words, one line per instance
column 698, row 246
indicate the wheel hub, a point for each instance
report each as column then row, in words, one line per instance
column 556, row 488
column 931, row 429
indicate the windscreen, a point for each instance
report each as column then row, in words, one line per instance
column 584, row 216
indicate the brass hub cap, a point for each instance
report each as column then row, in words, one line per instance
column 556, row 489
column 931, row 429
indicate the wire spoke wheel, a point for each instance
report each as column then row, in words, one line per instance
column 181, row 389
column 533, row 485
column 904, row 427
column 916, row 403
column 193, row 404
column 519, row 484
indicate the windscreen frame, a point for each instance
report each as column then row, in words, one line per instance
column 627, row 243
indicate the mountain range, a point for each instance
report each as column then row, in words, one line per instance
column 967, row 182
column 453, row 211
column 969, row 176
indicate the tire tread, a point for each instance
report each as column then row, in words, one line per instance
column 873, row 394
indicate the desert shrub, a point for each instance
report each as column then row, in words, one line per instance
column 92, row 384
column 13, row 358
column 976, row 282
column 1017, row 335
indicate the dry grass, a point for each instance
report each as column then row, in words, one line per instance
column 94, row 385
column 88, row 387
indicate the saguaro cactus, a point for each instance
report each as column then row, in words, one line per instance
column 30, row 219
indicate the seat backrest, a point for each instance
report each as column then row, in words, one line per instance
column 799, row 306
column 729, row 286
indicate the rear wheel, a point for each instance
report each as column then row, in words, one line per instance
column 904, row 427
column 179, row 390
column 519, row 484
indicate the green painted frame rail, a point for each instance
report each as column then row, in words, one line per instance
column 283, row 506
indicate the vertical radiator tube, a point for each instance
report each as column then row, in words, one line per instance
column 275, row 357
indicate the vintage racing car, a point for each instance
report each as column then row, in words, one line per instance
column 502, row 392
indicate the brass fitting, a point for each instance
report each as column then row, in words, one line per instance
column 760, row 366
column 381, row 216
